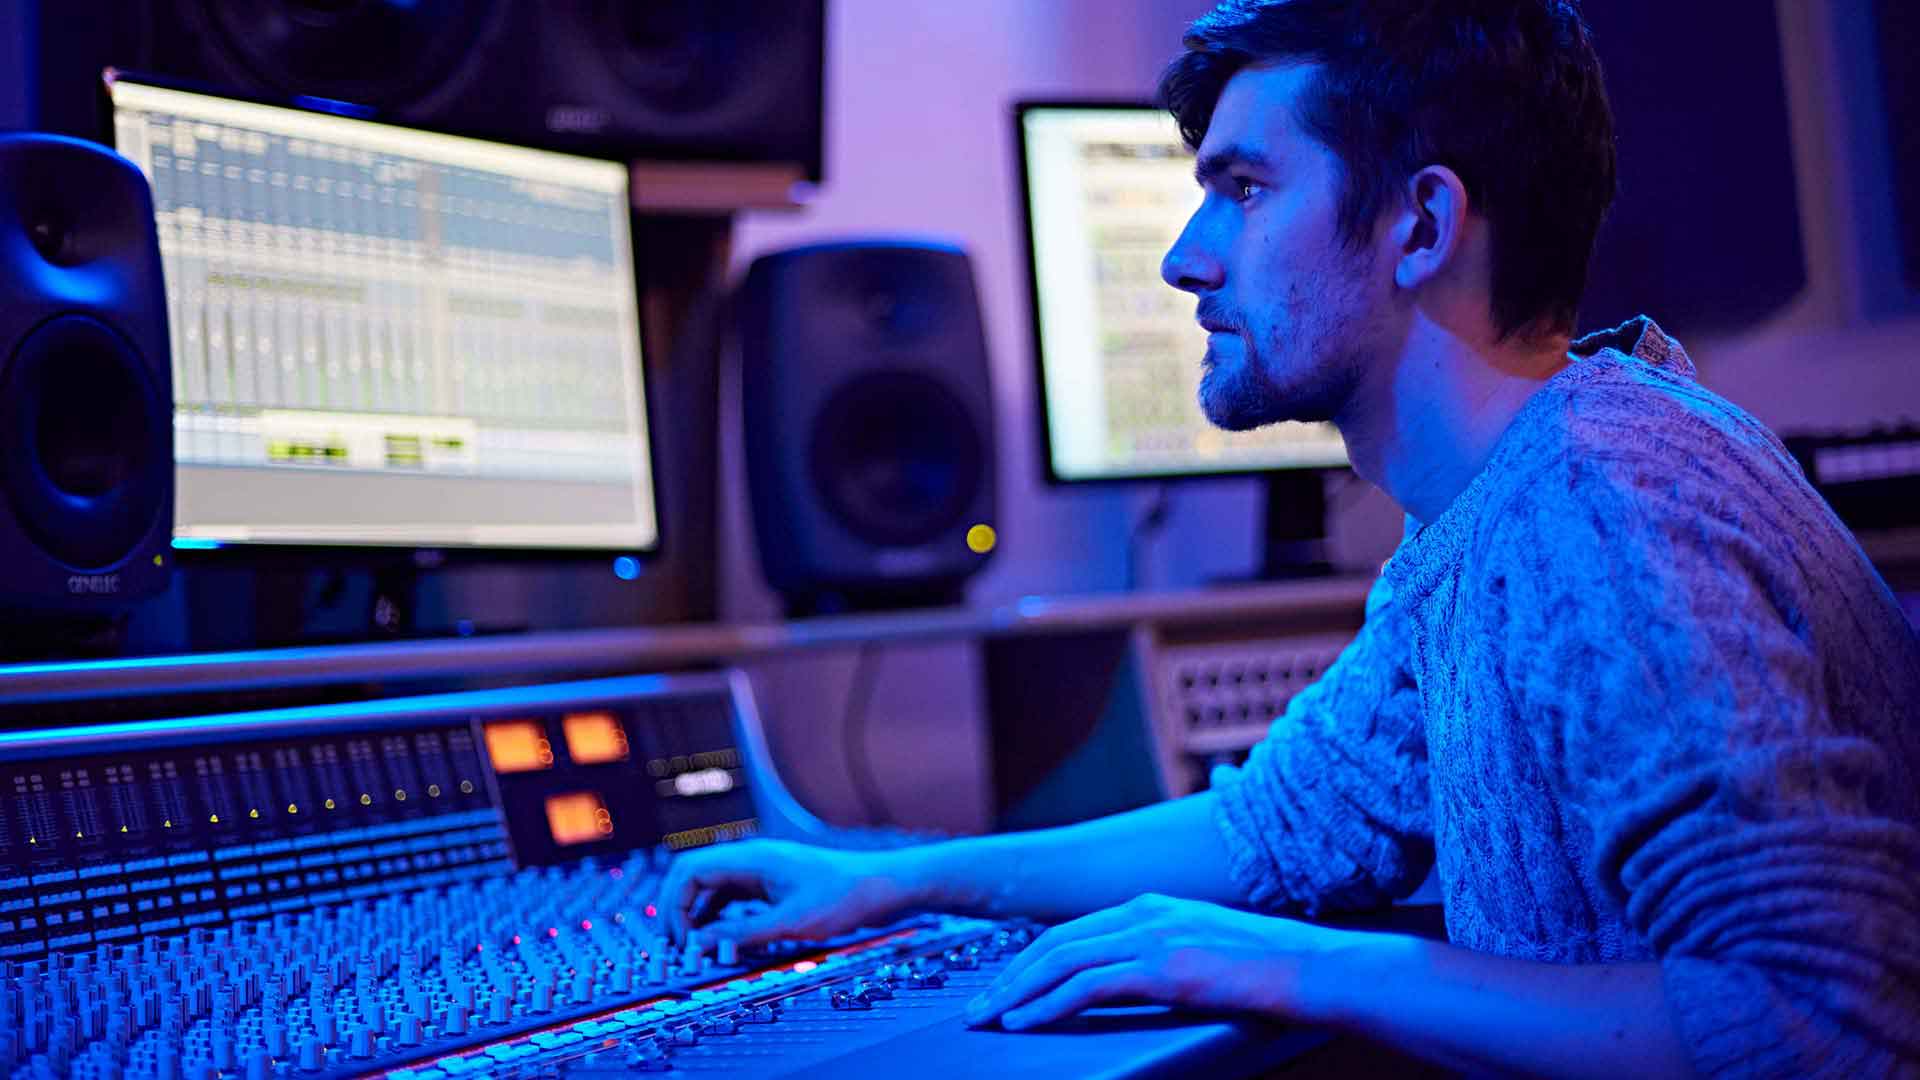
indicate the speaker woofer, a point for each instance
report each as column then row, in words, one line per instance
column 385, row 53
column 897, row 459
column 85, row 444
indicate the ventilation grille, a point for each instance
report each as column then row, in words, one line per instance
column 1220, row 698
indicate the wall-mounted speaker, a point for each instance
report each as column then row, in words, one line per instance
column 86, row 402
column 868, row 423
column 681, row 80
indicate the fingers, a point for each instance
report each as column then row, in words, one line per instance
column 1086, row 989
column 774, row 924
column 1057, row 966
column 695, row 874
column 1099, row 924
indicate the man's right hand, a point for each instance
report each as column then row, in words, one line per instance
column 811, row 892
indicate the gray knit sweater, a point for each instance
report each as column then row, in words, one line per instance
column 1636, row 695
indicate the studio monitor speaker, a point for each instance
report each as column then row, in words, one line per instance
column 1705, row 233
column 1897, row 33
column 702, row 80
column 868, row 423
column 86, row 404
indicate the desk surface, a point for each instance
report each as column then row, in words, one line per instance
column 666, row 647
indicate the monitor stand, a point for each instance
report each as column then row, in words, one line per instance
column 394, row 605
column 384, row 598
column 1293, row 540
column 940, row 593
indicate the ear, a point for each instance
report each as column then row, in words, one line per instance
column 1430, row 234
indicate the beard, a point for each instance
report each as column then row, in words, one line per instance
column 1303, row 367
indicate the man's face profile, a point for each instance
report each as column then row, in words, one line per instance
column 1284, row 304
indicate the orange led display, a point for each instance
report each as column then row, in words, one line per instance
column 578, row 817
column 594, row 738
column 518, row 746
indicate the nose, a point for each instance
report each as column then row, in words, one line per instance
column 1190, row 265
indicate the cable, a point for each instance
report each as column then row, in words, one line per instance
column 853, row 735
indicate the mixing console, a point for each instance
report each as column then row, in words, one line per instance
column 441, row 886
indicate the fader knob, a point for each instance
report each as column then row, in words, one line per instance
column 647, row 1056
column 310, row 1054
column 844, row 1000
column 926, row 980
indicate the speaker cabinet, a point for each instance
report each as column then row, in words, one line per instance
column 1705, row 233
column 86, row 406
column 869, row 424
column 1897, row 33
column 680, row 80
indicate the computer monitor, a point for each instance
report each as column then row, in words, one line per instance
column 1107, row 189
column 387, row 337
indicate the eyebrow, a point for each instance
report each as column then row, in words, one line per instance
column 1209, row 168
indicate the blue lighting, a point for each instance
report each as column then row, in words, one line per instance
column 190, row 543
column 626, row 568
column 458, row 704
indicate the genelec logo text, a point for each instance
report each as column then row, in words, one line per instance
column 93, row 584
column 577, row 120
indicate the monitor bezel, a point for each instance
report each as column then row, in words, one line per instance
column 358, row 555
column 1036, row 338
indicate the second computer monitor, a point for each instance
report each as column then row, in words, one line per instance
column 1108, row 188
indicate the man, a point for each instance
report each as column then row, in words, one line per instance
column 1627, row 684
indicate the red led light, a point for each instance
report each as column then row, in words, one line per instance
column 516, row 939
column 652, row 911
column 586, row 924
column 553, row 931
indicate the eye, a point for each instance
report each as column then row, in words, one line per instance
column 1244, row 188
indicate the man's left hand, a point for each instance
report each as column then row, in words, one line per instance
column 1161, row 950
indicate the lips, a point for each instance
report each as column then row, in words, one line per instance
column 1208, row 316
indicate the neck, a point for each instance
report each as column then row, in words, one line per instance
column 1424, row 421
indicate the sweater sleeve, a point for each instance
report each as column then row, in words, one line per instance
column 1332, row 810
column 1672, row 637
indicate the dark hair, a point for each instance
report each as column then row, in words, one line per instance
column 1506, row 93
